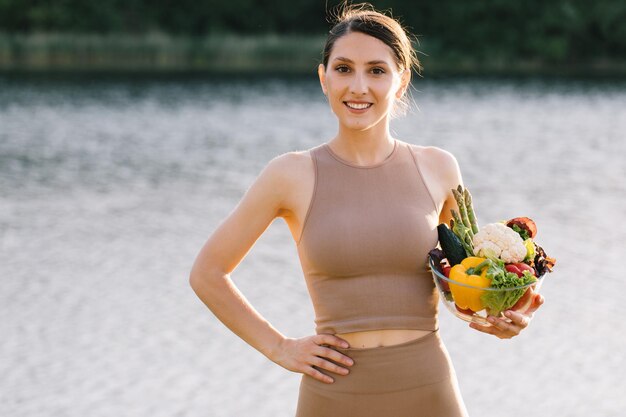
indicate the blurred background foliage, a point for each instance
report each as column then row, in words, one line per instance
column 187, row 34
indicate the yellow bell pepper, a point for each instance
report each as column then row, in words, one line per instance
column 465, row 273
column 530, row 249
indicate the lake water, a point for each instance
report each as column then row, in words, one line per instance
column 110, row 186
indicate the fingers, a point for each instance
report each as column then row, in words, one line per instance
column 502, row 328
column 321, row 352
column 334, row 355
column 314, row 373
column 306, row 355
column 519, row 320
column 484, row 329
column 338, row 359
column 538, row 300
column 331, row 340
column 331, row 353
column 323, row 363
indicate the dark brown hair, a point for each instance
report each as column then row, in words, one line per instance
column 362, row 17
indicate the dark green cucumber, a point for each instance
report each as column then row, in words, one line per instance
column 450, row 244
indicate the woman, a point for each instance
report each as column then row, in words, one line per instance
column 363, row 210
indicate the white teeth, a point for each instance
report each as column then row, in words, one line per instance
column 358, row 106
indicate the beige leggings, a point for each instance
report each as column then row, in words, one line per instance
column 411, row 379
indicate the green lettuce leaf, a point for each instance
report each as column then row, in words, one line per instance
column 497, row 301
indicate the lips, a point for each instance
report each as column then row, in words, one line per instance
column 357, row 105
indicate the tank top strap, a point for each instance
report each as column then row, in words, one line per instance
column 423, row 180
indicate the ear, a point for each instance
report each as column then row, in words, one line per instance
column 321, row 72
column 405, row 78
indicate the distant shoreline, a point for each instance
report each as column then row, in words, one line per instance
column 230, row 54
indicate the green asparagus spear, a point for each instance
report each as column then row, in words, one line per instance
column 466, row 240
column 456, row 218
column 460, row 201
column 462, row 233
column 470, row 211
column 469, row 245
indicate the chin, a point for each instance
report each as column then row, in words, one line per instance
column 362, row 124
column 359, row 126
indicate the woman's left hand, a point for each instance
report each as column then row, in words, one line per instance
column 519, row 321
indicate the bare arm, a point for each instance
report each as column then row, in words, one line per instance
column 451, row 178
column 225, row 249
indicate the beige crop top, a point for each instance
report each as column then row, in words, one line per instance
column 364, row 243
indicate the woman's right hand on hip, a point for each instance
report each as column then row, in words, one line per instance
column 300, row 355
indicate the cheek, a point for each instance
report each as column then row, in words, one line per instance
column 384, row 89
column 335, row 86
column 386, row 97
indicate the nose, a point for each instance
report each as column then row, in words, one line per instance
column 358, row 84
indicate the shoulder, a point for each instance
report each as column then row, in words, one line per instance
column 289, row 166
column 437, row 160
column 431, row 152
column 287, row 174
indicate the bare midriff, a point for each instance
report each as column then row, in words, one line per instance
column 377, row 338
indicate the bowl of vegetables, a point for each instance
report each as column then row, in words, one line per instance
column 473, row 296
column 484, row 272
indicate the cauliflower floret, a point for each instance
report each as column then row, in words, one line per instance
column 500, row 241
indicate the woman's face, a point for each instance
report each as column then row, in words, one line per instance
column 362, row 80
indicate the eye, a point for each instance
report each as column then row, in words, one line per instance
column 380, row 71
column 340, row 68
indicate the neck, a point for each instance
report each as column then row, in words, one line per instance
column 363, row 147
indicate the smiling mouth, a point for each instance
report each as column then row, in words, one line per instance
column 358, row 106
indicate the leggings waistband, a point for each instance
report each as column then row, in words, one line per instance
column 410, row 364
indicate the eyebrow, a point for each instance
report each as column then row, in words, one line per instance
column 377, row 61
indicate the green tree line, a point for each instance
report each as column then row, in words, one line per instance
column 553, row 31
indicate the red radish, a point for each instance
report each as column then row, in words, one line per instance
column 513, row 268
column 525, row 267
column 519, row 268
column 444, row 284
